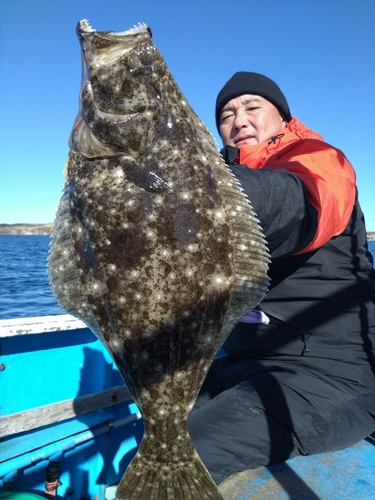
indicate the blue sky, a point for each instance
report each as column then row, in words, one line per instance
column 321, row 53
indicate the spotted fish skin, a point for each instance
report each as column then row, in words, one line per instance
column 155, row 247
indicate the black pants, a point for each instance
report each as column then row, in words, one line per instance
column 249, row 414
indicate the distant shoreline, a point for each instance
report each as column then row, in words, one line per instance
column 45, row 230
column 25, row 229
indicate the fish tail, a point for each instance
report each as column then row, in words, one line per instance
column 189, row 481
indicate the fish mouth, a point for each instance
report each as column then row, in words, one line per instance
column 84, row 30
column 103, row 47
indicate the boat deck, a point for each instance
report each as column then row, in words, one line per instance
column 63, row 404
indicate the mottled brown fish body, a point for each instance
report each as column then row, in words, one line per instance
column 155, row 247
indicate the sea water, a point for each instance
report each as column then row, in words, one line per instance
column 24, row 288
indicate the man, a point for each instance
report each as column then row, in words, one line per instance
column 299, row 375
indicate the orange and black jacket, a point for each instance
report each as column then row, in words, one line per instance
column 322, row 280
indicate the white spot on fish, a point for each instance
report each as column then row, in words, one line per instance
column 146, row 394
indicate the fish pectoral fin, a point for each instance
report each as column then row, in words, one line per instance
column 144, row 178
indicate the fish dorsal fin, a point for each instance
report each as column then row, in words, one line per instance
column 252, row 258
column 62, row 269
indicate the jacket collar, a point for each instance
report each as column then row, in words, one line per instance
column 256, row 156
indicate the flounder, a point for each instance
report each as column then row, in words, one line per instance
column 155, row 247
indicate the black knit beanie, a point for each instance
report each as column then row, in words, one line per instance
column 245, row 82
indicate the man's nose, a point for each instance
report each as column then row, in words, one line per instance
column 240, row 119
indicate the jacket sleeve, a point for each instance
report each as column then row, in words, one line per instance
column 329, row 180
column 281, row 202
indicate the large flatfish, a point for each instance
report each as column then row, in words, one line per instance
column 155, row 247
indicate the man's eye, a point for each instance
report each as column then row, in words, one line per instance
column 225, row 117
column 251, row 108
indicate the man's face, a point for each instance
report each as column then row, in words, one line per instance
column 249, row 119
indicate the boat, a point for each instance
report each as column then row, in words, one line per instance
column 69, row 428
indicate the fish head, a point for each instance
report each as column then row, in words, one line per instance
column 120, row 91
